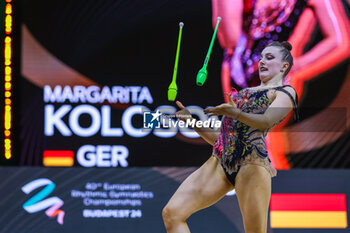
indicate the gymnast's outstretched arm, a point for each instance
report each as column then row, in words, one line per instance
column 209, row 135
column 278, row 110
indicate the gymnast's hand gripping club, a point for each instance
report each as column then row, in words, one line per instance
column 172, row 90
column 202, row 73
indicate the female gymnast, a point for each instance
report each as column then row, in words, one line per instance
column 239, row 160
column 249, row 25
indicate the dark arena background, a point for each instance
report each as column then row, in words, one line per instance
column 78, row 78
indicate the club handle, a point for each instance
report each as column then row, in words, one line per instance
column 181, row 24
column 212, row 43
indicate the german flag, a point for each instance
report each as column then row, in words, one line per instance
column 58, row 158
column 308, row 211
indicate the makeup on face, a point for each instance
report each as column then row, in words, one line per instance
column 270, row 62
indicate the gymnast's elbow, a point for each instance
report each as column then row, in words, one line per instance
column 264, row 124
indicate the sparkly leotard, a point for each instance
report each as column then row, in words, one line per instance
column 240, row 144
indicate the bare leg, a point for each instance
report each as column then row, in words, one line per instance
column 201, row 189
column 253, row 188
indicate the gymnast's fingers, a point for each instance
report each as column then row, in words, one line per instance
column 180, row 105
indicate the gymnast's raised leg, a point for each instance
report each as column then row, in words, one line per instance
column 201, row 189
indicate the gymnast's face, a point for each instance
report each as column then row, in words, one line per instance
column 270, row 63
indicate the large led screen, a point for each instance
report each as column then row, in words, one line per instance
column 90, row 71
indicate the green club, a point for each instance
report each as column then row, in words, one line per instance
column 202, row 73
column 172, row 90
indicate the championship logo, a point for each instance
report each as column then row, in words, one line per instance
column 38, row 201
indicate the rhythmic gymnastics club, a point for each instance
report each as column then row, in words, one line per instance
column 202, row 73
column 172, row 90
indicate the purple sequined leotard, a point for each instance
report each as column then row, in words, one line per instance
column 240, row 144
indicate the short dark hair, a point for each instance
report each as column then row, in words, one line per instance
column 286, row 47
